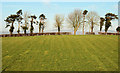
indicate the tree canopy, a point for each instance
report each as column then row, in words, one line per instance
column 108, row 18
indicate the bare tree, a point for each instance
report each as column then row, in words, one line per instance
column 59, row 21
column 25, row 25
column 75, row 19
column 93, row 19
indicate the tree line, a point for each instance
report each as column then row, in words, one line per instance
column 76, row 19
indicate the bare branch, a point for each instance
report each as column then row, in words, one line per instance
column 59, row 20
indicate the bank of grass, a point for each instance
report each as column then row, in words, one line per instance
column 60, row 53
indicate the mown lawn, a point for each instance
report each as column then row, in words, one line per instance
column 60, row 53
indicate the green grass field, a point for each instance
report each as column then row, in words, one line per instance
column 60, row 53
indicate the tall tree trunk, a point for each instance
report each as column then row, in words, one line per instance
column 42, row 30
column 74, row 31
column 18, row 28
column 89, row 28
column 83, row 29
column 12, row 28
column 18, row 31
column 10, row 33
column 24, row 31
column 105, row 32
column 39, row 28
column 31, row 30
column 92, row 27
column 59, row 30
column 100, row 29
column 83, row 23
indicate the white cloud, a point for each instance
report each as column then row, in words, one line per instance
column 46, row 2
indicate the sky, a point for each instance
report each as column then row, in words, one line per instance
column 59, row 0
column 50, row 9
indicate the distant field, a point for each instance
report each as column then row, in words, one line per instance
column 60, row 53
